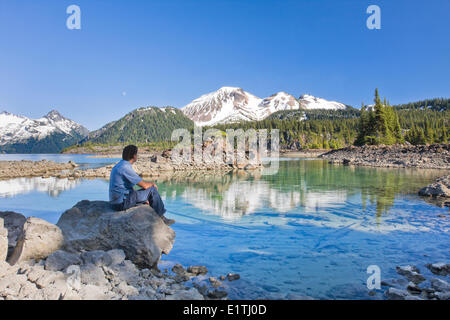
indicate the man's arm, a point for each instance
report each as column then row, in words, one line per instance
column 145, row 185
column 134, row 179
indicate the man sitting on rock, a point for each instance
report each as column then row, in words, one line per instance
column 123, row 179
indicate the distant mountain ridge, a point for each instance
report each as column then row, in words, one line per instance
column 142, row 125
column 232, row 104
column 49, row 134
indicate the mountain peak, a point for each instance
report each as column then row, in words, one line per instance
column 21, row 130
column 229, row 89
column 53, row 111
column 54, row 114
column 233, row 104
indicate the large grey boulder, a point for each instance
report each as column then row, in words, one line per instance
column 3, row 241
column 60, row 260
column 13, row 222
column 139, row 231
column 37, row 241
column 97, row 257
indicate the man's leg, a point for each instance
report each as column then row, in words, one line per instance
column 152, row 196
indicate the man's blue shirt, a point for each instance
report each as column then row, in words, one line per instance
column 122, row 179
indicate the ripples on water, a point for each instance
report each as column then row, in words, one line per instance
column 311, row 229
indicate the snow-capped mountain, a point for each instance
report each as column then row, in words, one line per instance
column 230, row 104
column 310, row 103
column 53, row 130
column 227, row 104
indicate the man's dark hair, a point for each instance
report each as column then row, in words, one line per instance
column 129, row 152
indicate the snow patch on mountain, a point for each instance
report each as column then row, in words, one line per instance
column 17, row 128
column 277, row 102
column 311, row 103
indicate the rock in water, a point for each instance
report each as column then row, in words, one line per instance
column 440, row 285
column 3, row 241
column 411, row 273
column 197, row 270
column 396, row 294
column 233, row 276
column 139, row 231
column 440, row 188
column 440, row 268
column 37, row 241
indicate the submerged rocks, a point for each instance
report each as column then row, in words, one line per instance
column 37, row 241
column 418, row 287
column 440, row 268
column 440, row 285
column 411, row 273
column 396, row 294
column 139, row 231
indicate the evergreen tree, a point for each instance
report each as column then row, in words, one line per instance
column 380, row 126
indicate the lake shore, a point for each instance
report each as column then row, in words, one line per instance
column 107, row 151
column 29, row 168
column 147, row 165
column 305, row 153
column 435, row 156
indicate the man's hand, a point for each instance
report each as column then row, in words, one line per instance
column 146, row 185
column 154, row 185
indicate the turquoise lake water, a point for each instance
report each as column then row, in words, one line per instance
column 311, row 229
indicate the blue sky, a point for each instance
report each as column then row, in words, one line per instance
column 170, row 52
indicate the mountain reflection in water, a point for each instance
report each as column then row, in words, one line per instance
column 52, row 186
column 313, row 192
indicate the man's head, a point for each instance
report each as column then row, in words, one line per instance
column 129, row 153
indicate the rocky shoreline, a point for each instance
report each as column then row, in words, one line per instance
column 103, row 150
column 28, row 168
column 94, row 253
column 153, row 165
column 435, row 156
column 305, row 153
